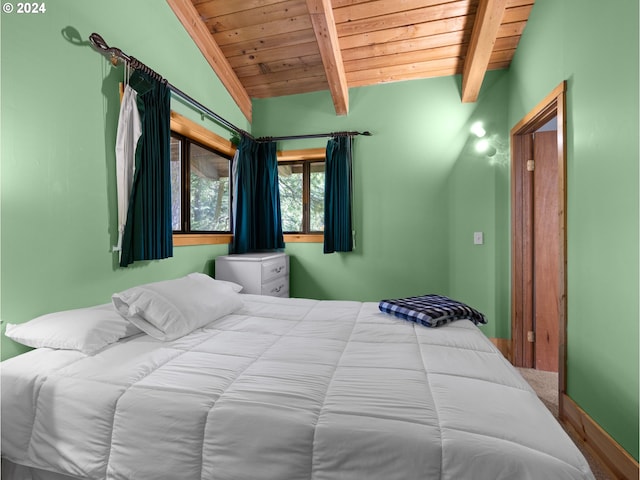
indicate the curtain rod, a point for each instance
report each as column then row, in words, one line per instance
column 313, row 135
column 115, row 54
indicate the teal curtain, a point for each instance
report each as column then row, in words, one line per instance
column 268, row 216
column 244, row 188
column 257, row 219
column 148, row 231
column 338, row 195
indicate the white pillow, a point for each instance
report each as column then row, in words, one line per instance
column 83, row 329
column 236, row 287
column 170, row 309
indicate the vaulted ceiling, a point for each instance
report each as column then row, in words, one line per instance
column 270, row 48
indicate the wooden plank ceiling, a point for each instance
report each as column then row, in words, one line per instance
column 270, row 48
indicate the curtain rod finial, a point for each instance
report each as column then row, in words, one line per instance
column 98, row 42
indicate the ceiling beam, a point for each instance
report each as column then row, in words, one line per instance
column 485, row 30
column 197, row 29
column 324, row 26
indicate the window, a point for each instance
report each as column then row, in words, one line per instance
column 302, row 196
column 187, row 134
column 200, row 188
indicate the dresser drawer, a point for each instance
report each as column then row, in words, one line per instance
column 276, row 288
column 274, row 268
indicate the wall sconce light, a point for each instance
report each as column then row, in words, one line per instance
column 483, row 146
column 478, row 130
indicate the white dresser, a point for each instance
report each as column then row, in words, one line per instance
column 258, row 273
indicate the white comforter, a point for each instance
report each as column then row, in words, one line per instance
column 285, row 389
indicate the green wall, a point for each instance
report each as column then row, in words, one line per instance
column 594, row 46
column 59, row 115
column 420, row 191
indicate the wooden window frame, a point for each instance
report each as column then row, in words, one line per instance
column 306, row 194
column 306, row 154
column 199, row 134
column 186, row 145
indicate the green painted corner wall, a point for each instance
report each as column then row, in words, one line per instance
column 420, row 188
column 59, row 115
column 420, row 192
column 594, row 46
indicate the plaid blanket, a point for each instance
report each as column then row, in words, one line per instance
column 431, row 310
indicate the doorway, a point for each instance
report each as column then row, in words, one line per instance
column 538, row 222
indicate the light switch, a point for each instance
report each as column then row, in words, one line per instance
column 478, row 238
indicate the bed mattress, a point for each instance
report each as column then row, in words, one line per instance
column 285, row 389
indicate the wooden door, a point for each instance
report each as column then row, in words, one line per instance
column 546, row 231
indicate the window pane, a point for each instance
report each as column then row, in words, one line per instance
column 176, row 184
column 290, row 180
column 209, row 189
column 316, row 203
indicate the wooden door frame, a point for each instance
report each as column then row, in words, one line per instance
column 553, row 105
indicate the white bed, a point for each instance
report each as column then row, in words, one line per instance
column 283, row 389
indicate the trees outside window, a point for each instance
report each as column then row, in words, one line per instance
column 200, row 188
column 302, row 196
